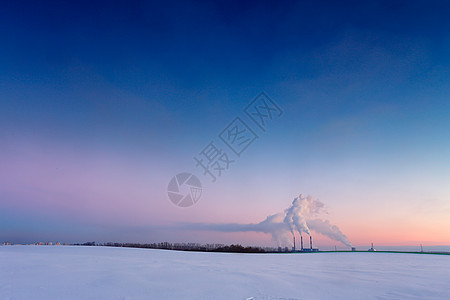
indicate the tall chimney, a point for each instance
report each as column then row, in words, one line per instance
column 301, row 240
column 310, row 242
column 294, row 242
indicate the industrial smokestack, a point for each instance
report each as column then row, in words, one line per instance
column 301, row 241
column 294, row 244
column 310, row 242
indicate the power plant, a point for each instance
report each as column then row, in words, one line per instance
column 302, row 249
column 308, row 249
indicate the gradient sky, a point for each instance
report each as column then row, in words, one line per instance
column 102, row 103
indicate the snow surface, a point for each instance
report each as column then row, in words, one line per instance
column 69, row 272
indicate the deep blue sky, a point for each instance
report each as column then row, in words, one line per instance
column 129, row 91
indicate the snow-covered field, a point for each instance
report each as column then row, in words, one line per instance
column 68, row 272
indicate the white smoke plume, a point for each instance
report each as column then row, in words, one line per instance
column 332, row 231
column 297, row 214
column 301, row 216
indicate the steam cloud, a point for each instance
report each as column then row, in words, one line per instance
column 301, row 216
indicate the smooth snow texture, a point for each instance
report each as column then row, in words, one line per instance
column 69, row 272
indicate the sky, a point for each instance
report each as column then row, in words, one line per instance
column 102, row 104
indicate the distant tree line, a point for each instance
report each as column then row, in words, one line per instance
column 240, row 249
column 235, row 248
